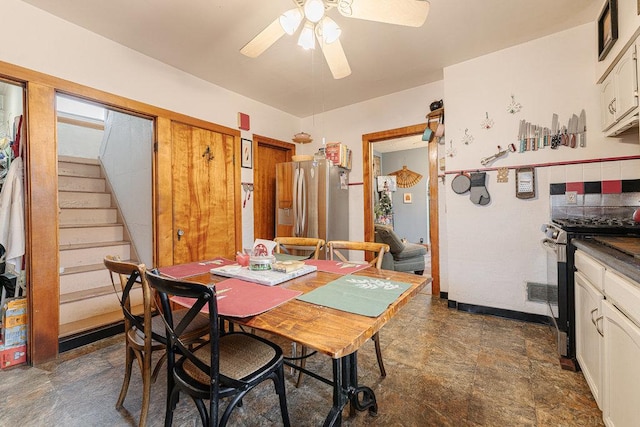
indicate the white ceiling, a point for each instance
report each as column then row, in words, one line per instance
column 203, row 38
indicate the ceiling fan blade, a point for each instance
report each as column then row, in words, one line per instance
column 337, row 60
column 264, row 40
column 411, row 13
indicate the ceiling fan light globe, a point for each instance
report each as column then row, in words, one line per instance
column 307, row 38
column 328, row 30
column 290, row 20
column 314, row 10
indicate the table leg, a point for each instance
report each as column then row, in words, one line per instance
column 339, row 396
column 368, row 400
column 346, row 389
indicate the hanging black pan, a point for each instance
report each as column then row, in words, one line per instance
column 461, row 183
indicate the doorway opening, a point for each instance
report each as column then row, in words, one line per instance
column 368, row 147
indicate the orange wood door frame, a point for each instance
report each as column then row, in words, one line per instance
column 267, row 153
column 367, row 164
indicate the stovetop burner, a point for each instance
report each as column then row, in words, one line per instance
column 599, row 225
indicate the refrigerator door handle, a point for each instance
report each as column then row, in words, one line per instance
column 295, row 203
column 303, row 202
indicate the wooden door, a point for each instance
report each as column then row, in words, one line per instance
column 267, row 153
column 203, row 194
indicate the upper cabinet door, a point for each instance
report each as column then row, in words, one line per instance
column 626, row 84
column 607, row 103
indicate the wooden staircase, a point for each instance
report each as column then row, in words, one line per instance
column 89, row 228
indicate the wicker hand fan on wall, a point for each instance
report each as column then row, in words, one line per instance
column 406, row 178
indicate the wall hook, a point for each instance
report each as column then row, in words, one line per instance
column 207, row 154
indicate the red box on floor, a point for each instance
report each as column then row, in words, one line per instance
column 12, row 356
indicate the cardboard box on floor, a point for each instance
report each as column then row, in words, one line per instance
column 12, row 356
column 14, row 313
column 14, row 323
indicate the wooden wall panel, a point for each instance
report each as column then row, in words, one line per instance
column 42, row 224
column 163, row 193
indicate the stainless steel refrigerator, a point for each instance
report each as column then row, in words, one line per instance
column 312, row 200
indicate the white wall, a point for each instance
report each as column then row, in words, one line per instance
column 126, row 154
column 78, row 141
column 493, row 250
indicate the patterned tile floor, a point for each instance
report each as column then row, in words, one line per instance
column 444, row 368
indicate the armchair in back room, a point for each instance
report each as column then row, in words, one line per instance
column 403, row 256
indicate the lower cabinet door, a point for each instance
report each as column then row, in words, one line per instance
column 621, row 369
column 588, row 340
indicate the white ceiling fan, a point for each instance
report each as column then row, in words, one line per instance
column 317, row 25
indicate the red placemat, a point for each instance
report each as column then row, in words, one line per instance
column 181, row 271
column 338, row 267
column 237, row 298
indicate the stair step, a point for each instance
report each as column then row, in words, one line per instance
column 85, row 160
column 78, row 199
column 90, row 306
column 94, row 322
column 91, row 233
column 74, row 183
column 75, row 281
column 78, row 169
column 84, row 216
column 89, row 293
column 87, row 254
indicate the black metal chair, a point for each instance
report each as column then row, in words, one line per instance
column 228, row 366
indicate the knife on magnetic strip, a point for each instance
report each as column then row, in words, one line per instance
column 582, row 128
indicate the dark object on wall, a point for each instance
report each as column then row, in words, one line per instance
column 8, row 282
column 435, row 105
column 2, row 260
column 607, row 28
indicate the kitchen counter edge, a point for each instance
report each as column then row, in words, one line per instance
column 623, row 263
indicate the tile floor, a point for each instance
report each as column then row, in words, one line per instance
column 444, row 368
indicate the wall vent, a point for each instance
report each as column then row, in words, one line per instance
column 541, row 292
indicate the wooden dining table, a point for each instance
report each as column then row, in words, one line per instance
column 336, row 333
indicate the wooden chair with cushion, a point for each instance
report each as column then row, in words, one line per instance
column 228, row 366
column 144, row 333
column 302, row 246
column 337, row 250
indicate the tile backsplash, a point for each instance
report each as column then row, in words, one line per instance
column 609, row 197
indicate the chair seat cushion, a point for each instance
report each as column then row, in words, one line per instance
column 197, row 328
column 411, row 250
column 241, row 355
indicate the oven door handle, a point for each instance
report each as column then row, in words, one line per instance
column 549, row 245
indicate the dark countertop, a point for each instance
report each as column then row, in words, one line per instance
column 617, row 260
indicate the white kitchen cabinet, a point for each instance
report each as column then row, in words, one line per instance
column 589, row 340
column 607, row 101
column 621, row 369
column 589, row 285
column 619, row 92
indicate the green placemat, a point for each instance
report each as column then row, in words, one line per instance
column 357, row 294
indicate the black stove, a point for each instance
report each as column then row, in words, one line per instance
column 598, row 225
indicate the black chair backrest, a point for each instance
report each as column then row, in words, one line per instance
column 202, row 296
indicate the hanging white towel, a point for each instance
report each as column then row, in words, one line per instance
column 12, row 214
